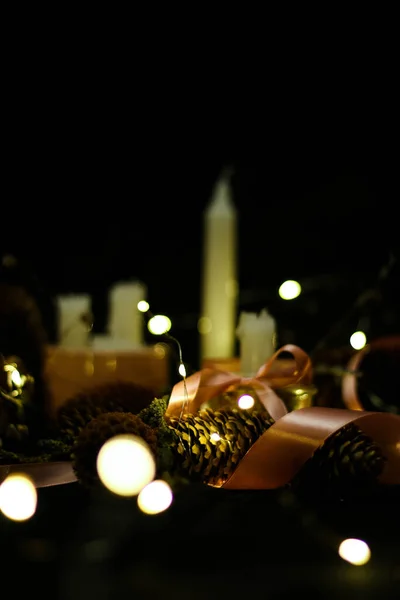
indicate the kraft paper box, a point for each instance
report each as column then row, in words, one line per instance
column 69, row 371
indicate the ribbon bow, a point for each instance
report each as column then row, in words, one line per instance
column 188, row 395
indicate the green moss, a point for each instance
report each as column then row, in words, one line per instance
column 154, row 416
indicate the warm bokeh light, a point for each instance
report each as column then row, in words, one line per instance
column 143, row 306
column 16, row 378
column 354, row 551
column 358, row 340
column 204, row 325
column 155, row 497
column 160, row 350
column 125, row 464
column 159, row 324
column 246, row 401
column 215, row 437
column 289, row 290
column 182, row 370
column 18, row 497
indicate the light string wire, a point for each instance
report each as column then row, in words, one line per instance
column 185, row 402
column 173, row 339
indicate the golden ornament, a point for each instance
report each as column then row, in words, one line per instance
column 297, row 395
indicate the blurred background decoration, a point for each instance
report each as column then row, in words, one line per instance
column 310, row 242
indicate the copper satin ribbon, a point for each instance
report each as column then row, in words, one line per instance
column 188, row 395
column 279, row 454
column 41, row 474
column 349, row 380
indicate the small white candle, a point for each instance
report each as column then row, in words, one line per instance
column 247, row 332
column 219, row 285
column 257, row 340
column 74, row 320
column 125, row 320
column 267, row 336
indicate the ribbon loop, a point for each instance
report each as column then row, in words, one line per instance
column 279, row 375
column 188, row 395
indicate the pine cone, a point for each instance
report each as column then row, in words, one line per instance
column 349, row 459
column 120, row 396
column 210, row 444
column 96, row 433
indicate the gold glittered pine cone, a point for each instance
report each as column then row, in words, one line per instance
column 100, row 429
column 209, row 445
column 348, row 460
column 120, row 396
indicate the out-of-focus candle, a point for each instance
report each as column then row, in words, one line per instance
column 74, row 320
column 257, row 337
column 125, row 320
column 267, row 335
column 219, row 284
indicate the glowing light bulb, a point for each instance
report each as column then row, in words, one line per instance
column 155, row 497
column 125, row 464
column 358, row 340
column 143, row 306
column 16, row 378
column 18, row 497
column 215, row 437
column 182, row 370
column 159, row 324
column 246, row 401
column 354, row 551
column 289, row 289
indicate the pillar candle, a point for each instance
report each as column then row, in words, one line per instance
column 247, row 332
column 257, row 340
column 125, row 320
column 267, row 336
column 219, row 277
column 74, row 318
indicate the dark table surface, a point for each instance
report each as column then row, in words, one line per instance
column 210, row 544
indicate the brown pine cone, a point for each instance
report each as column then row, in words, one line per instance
column 120, row 396
column 97, row 432
column 348, row 460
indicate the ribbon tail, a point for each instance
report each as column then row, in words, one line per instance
column 280, row 453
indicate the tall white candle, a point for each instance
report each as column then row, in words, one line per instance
column 219, row 284
column 74, row 317
column 125, row 320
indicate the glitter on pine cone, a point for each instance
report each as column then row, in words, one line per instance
column 120, row 396
column 96, row 433
column 349, row 460
column 210, row 444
